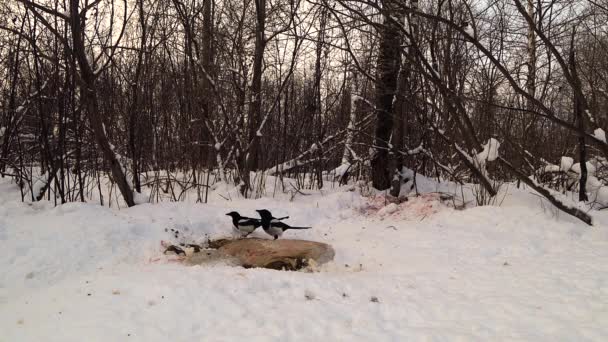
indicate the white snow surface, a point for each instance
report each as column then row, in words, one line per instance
column 139, row 198
column 518, row 272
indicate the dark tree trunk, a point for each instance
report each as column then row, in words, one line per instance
column 207, row 59
column 578, row 113
column 255, row 105
column 402, row 109
column 405, row 103
column 134, row 113
column 317, row 116
column 14, row 63
column 386, row 86
column 91, row 106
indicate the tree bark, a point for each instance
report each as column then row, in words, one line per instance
column 578, row 113
column 255, row 105
column 91, row 106
column 388, row 62
column 207, row 59
column 404, row 108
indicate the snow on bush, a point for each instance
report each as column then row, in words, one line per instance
column 596, row 190
column 590, row 168
column 551, row 168
column 600, row 196
column 341, row 170
column 566, row 163
column 489, row 153
column 600, row 134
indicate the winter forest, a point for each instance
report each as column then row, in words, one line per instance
column 463, row 136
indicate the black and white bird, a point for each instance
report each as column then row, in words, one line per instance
column 273, row 226
column 244, row 225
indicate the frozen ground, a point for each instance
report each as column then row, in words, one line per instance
column 80, row 272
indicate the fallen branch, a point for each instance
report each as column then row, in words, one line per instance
column 546, row 193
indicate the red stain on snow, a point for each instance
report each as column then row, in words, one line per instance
column 415, row 207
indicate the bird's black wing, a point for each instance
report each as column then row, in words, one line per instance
column 248, row 221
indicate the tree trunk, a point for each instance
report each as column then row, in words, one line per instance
column 255, row 105
column 91, row 106
column 207, row 59
column 317, row 93
column 402, row 109
column 578, row 113
column 134, row 113
column 13, row 66
column 531, row 77
column 404, row 106
column 386, row 86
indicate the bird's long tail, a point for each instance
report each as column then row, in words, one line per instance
column 299, row 227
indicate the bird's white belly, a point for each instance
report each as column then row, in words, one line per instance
column 246, row 229
column 274, row 231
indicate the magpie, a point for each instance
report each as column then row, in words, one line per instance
column 273, row 226
column 246, row 225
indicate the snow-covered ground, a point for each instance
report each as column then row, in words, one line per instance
column 419, row 271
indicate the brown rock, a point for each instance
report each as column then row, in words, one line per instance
column 277, row 254
column 210, row 256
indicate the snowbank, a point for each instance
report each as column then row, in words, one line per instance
column 516, row 272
